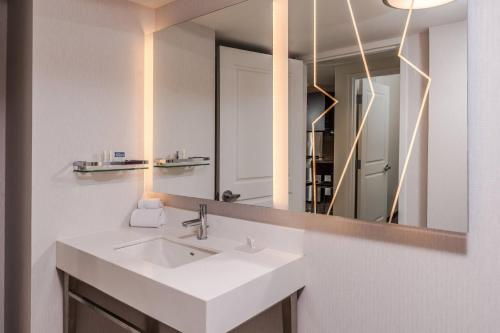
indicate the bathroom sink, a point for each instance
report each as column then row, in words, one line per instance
column 162, row 272
column 160, row 251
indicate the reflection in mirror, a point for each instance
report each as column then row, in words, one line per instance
column 353, row 154
column 213, row 106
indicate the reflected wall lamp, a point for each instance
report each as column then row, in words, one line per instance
column 418, row 4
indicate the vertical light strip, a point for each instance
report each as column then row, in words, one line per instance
column 335, row 102
column 280, row 104
column 148, row 109
column 365, row 116
column 420, row 114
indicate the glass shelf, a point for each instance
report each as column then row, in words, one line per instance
column 92, row 167
column 182, row 163
column 170, row 165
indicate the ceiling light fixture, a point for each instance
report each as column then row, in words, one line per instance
column 418, row 4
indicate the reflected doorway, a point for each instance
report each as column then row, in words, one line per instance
column 377, row 154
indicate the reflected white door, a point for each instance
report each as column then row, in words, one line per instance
column 246, row 126
column 374, row 155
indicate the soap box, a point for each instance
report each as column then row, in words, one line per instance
column 119, row 156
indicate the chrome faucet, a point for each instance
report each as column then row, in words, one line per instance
column 201, row 222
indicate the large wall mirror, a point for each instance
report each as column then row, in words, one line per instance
column 371, row 137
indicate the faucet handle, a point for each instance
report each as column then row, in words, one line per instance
column 251, row 243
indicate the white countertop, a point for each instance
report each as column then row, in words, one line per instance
column 193, row 298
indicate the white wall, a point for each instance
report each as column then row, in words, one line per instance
column 88, row 85
column 447, row 192
column 412, row 206
column 184, row 107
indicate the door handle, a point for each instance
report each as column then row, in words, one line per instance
column 387, row 168
column 228, row 196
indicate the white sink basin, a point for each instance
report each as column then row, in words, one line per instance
column 160, row 251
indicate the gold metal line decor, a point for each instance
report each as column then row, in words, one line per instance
column 335, row 102
column 365, row 116
column 420, row 114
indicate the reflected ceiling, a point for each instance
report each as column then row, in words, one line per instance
column 334, row 26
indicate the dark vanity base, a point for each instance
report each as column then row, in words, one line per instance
column 88, row 310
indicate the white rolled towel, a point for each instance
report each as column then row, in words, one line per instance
column 147, row 218
column 150, row 204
